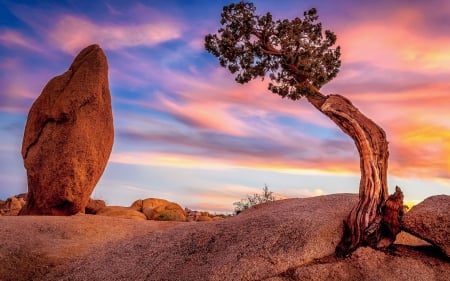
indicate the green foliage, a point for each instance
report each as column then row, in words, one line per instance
column 255, row 199
column 296, row 54
column 168, row 215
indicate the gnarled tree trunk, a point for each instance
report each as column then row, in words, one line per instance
column 364, row 221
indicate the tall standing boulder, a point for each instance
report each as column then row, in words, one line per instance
column 68, row 137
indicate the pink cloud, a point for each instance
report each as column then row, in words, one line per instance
column 21, row 84
column 228, row 104
column 71, row 33
column 417, row 127
column 395, row 70
column 204, row 115
column 12, row 38
column 398, row 42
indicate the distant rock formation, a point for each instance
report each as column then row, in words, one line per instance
column 152, row 209
column 121, row 212
column 430, row 220
column 12, row 206
column 192, row 215
column 68, row 137
column 160, row 209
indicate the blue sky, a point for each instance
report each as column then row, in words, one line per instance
column 186, row 132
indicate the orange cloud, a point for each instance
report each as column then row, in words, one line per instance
column 204, row 115
column 422, row 151
column 417, row 127
column 399, row 43
column 318, row 164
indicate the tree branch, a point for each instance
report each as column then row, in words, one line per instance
column 299, row 75
column 266, row 48
column 269, row 49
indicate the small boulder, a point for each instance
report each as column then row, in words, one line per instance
column 68, row 137
column 199, row 216
column 12, row 206
column 204, row 218
column 159, row 209
column 94, row 205
column 430, row 220
column 121, row 212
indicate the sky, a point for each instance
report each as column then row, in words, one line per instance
column 185, row 131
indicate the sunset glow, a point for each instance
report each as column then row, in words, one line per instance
column 187, row 132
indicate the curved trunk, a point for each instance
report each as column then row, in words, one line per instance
column 364, row 221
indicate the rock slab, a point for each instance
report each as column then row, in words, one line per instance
column 68, row 137
column 259, row 243
column 430, row 220
column 286, row 240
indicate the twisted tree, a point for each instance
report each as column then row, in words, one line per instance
column 299, row 58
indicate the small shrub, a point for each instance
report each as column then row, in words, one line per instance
column 255, row 199
column 169, row 215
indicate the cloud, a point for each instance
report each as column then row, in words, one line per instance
column 421, row 150
column 174, row 107
column 12, row 38
column 390, row 71
column 199, row 115
column 395, row 70
column 21, row 83
column 219, row 197
column 302, row 192
column 71, row 33
column 397, row 38
column 216, row 151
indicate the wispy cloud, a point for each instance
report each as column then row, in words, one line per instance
column 19, row 84
column 12, row 39
column 175, row 108
column 71, row 33
column 394, row 47
column 302, row 192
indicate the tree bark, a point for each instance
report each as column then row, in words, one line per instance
column 362, row 226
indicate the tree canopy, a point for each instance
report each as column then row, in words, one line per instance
column 296, row 54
